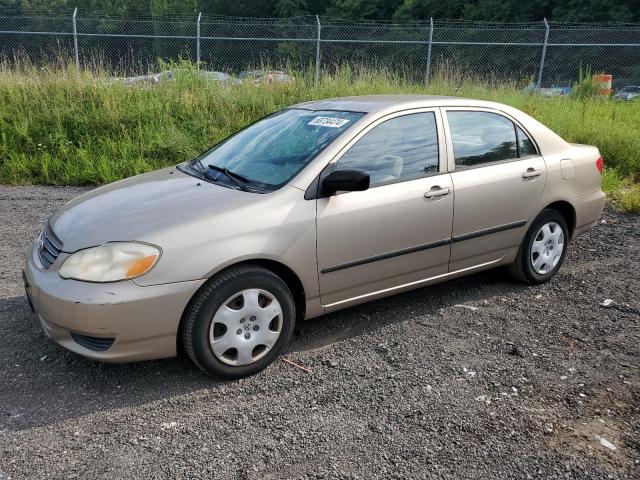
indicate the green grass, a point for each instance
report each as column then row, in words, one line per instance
column 58, row 127
column 623, row 193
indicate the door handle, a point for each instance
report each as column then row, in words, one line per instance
column 437, row 191
column 531, row 173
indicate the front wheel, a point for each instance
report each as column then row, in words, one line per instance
column 543, row 248
column 239, row 323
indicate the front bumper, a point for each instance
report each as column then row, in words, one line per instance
column 141, row 321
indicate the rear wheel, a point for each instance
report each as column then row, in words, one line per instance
column 239, row 323
column 543, row 248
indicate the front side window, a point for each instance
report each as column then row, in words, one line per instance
column 398, row 149
column 267, row 154
column 481, row 137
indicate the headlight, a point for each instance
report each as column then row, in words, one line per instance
column 110, row 262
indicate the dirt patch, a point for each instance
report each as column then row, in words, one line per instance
column 601, row 433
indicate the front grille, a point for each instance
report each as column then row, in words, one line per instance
column 49, row 247
column 92, row 343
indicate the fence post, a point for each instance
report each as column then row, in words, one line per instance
column 544, row 52
column 318, row 27
column 198, row 41
column 75, row 39
column 429, row 51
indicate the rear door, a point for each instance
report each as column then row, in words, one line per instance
column 398, row 231
column 498, row 177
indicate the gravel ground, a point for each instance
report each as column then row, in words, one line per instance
column 538, row 382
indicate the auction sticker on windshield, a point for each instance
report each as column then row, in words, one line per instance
column 328, row 122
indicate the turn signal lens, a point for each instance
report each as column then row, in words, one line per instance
column 140, row 266
column 110, row 262
column 600, row 164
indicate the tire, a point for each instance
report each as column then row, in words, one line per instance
column 547, row 261
column 248, row 307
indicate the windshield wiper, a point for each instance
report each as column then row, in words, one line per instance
column 236, row 178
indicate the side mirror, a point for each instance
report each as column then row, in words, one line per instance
column 345, row 181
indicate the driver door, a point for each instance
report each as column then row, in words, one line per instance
column 398, row 231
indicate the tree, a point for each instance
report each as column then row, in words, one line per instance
column 364, row 9
column 239, row 8
column 508, row 10
column 400, row 10
column 519, row 10
column 291, row 8
column 424, row 9
column 597, row 11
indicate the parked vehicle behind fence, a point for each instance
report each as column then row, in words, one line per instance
column 318, row 207
column 630, row 92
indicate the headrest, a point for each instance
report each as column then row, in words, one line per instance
column 498, row 135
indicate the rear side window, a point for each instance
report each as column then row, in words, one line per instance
column 399, row 149
column 481, row 137
column 526, row 148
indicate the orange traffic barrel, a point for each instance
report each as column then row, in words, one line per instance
column 603, row 83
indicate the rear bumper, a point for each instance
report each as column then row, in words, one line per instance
column 588, row 211
column 141, row 321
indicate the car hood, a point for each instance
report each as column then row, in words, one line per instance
column 132, row 209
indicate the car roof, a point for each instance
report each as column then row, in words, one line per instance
column 374, row 103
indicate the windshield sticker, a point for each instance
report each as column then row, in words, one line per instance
column 328, row 122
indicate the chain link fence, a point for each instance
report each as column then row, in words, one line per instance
column 544, row 53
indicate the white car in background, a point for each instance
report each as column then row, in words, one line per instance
column 265, row 77
column 630, row 92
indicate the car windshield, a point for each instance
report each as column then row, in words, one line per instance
column 268, row 153
column 631, row 90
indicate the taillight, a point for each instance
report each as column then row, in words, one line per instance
column 600, row 164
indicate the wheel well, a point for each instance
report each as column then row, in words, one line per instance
column 285, row 273
column 289, row 277
column 568, row 212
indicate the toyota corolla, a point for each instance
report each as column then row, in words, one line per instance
column 315, row 208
